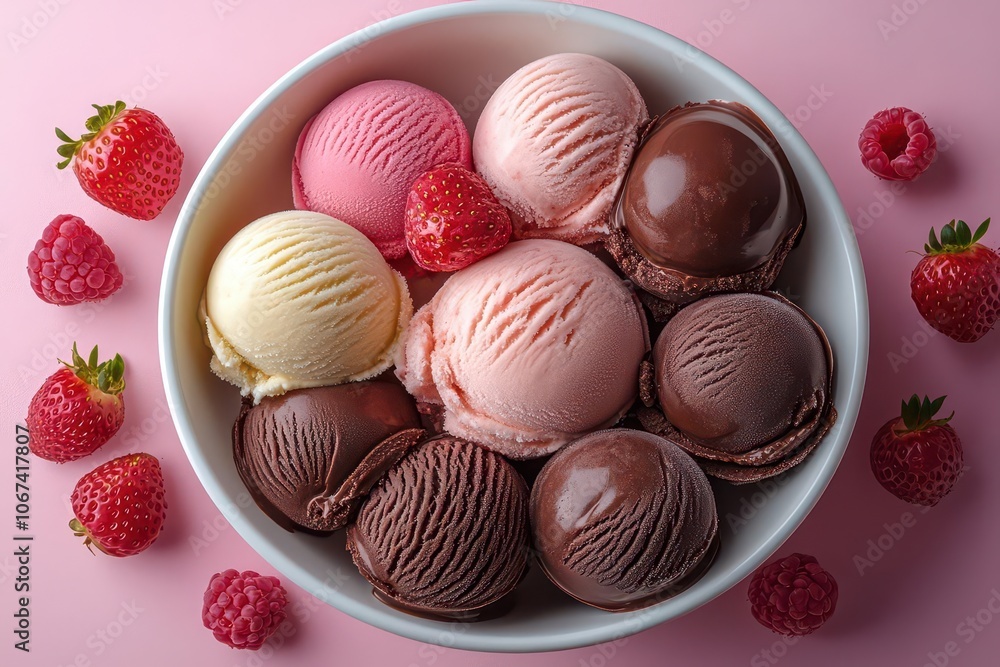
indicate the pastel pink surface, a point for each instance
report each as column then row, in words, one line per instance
column 357, row 158
column 916, row 586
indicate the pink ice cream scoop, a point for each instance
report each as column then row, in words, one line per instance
column 527, row 349
column 357, row 158
column 554, row 142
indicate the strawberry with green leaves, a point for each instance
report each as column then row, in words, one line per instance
column 956, row 285
column 128, row 160
column 120, row 506
column 915, row 456
column 77, row 409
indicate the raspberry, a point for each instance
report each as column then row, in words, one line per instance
column 793, row 596
column 71, row 263
column 243, row 609
column 897, row 144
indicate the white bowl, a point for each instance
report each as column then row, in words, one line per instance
column 463, row 51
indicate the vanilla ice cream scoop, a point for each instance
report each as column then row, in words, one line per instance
column 299, row 299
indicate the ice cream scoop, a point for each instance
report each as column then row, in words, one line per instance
column 309, row 456
column 744, row 382
column 710, row 204
column 554, row 142
column 298, row 299
column 357, row 158
column 623, row 519
column 527, row 349
column 445, row 532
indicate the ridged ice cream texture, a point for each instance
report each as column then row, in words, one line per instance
column 446, row 530
column 527, row 349
column 555, row 141
column 357, row 158
column 299, row 299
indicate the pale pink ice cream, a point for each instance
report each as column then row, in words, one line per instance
column 554, row 142
column 527, row 349
column 357, row 158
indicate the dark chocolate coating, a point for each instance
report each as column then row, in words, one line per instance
column 745, row 379
column 444, row 534
column 623, row 519
column 710, row 203
column 308, row 456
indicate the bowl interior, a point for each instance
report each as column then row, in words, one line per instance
column 464, row 52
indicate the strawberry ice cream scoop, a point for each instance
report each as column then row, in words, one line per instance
column 527, row 349
column 357, row 158
column 554, row 142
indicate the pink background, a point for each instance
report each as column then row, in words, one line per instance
column 929, row 585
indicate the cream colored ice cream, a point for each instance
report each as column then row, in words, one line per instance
column 299, row 299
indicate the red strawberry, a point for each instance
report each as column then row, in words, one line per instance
column 453, row 219
column 120, row 505
column 915, row 457
column 956, row 285
column 71, row 263
column 77, row 409
column 129, row 160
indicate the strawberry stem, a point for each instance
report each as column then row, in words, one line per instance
column 956, row 237
column 109, row 376
column 918, row 415
column 70, row 147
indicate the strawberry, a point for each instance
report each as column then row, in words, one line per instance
column 77, row 409
column 956, row 285
column 915, row 457
column 129, row 160
column 120, row 505
column 71, row 263
column 452, row 219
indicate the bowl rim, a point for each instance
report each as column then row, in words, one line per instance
column 618, row 625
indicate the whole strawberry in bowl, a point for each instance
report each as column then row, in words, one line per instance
column 916, row 457
column 956, row 285
column 119, row 506
column 128, row 160
column 453, row 219
column 77, row 409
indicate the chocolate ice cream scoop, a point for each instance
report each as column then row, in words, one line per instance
column 623, row 519
column 744, row 384
column 445, row 533
column 308, row 456
column 709, row 204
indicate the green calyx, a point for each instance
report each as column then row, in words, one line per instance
column 108, row 376
column 956, row 236
column 919, row 415
column 69, row 147
column 79, row 530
